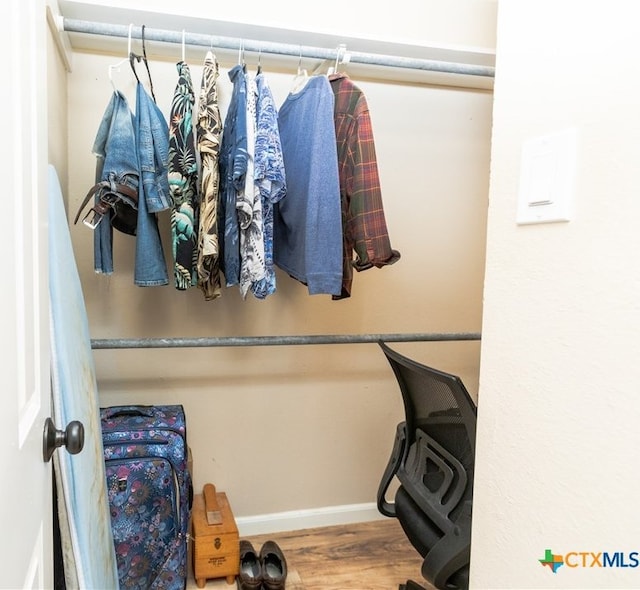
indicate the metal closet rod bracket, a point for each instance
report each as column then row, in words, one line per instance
column 227, row 341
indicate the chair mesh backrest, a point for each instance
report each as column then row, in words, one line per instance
column 434, row 401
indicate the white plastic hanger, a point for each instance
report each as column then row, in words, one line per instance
column 210, row 55
column 183, row 48
column 301, row 77
column 120, row 63
column 241, row 56
column 342, row 57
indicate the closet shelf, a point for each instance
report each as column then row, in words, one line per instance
column 227, row 341
column 482, row 73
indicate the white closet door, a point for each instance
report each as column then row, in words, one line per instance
column 25, row 503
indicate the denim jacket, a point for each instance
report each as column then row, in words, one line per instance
column 152, row 141
column 117, row 162
column 134, row 151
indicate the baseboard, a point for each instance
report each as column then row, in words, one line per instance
column 296, row 520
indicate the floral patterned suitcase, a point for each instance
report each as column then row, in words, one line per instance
column 150, row 493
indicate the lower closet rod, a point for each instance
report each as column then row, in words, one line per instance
column 224, row 341
column 112, row 30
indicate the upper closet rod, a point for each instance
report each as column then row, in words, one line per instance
column 165, row 36
column 277, row 340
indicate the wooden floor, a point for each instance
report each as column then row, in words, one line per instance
column 367, row 556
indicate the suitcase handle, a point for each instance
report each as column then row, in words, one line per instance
column 130, row 411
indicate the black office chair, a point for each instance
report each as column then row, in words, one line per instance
column 433, row 459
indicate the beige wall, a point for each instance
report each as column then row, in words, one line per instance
column 558, row 416
column 298, row 428
column 56, row 89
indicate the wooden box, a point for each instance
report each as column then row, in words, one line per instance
column 216, row 547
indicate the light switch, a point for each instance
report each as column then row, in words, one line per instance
column 547, row 178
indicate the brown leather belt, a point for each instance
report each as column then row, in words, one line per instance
column 109, row 195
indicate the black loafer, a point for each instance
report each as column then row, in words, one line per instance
column 274, row 566
column 250, row 574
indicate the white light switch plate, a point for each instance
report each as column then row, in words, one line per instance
column 547, row 178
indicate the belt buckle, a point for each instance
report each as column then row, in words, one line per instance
column 106, row 201
column 93, row 218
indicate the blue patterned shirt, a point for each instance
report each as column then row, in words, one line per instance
column 270, row 178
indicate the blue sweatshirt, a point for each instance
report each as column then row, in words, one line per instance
column 307, row 222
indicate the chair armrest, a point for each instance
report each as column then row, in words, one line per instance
column 397, row 454
column 449, row 478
